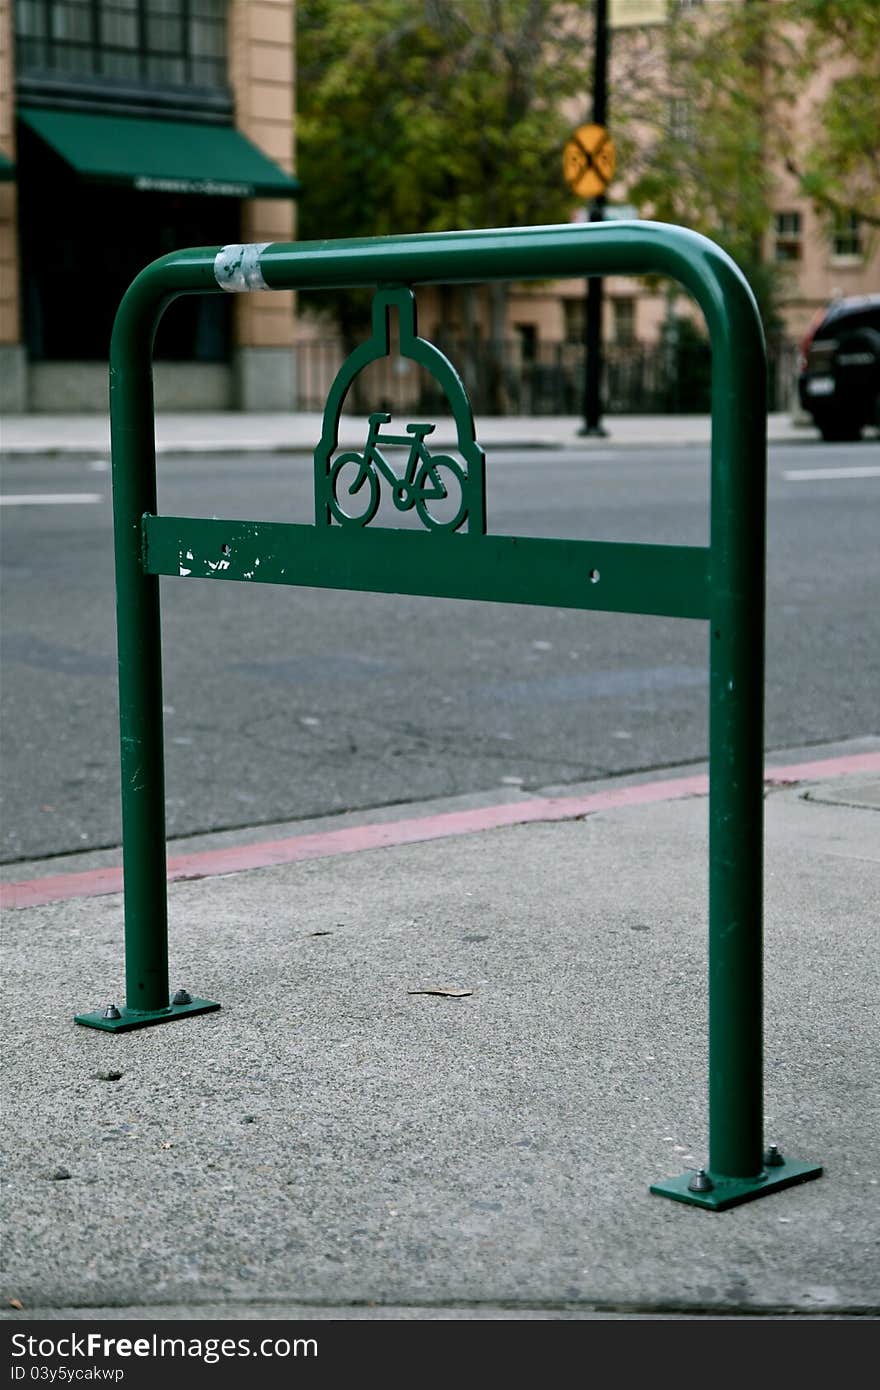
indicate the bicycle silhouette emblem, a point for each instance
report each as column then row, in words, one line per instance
column 432, row 483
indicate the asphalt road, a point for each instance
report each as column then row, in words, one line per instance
column 288, row 703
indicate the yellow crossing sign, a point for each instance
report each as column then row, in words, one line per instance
column 588, row 161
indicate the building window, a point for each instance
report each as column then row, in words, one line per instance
column 846, row 237
column 574, row 312
column 624, row 319
column 788, row 233
column 682, row 123
column 528, row 340
column 147, row 42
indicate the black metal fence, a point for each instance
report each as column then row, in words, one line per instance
column 638, row 379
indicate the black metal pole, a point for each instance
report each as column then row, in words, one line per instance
column 593, row 308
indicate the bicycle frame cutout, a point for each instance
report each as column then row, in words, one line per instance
column 414, row 489
column 466, row 482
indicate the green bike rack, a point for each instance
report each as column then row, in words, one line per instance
column 722, row 584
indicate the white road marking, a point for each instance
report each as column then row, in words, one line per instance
column 48, row 499
column 821, row 475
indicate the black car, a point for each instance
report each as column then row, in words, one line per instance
column 839, row 368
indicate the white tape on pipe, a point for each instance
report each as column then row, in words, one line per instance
column 237, row 267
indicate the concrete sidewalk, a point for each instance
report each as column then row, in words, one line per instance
column 336, row 1143
column 234, row 432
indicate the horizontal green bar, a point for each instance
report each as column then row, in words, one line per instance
column 669, row 580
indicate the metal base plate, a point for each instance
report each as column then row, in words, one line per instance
column 729, row 1192
column 145, row 1018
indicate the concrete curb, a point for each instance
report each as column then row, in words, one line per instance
column 84, row 436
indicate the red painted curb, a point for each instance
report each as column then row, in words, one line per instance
column 93, row 883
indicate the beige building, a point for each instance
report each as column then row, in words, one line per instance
column 129, row 128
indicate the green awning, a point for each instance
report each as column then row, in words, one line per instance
column 161, row 156
column 7, row 168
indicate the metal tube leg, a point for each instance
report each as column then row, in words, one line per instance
column 139, row 644
column 736, row 817
column 143, row 792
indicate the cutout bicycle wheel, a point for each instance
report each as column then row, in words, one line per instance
column 440, row 499
column 349, row 478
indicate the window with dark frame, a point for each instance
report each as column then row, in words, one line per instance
column 846, row 236
column 624, row 320
column 682, row 119
column 173, row 43
column 574, row 311
column 528, row 340
column 788, row 240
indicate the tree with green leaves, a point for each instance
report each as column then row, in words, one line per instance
column 704, row 136
column 840, row 167
column 431, row 115
column 434, row 115
column 699, row 138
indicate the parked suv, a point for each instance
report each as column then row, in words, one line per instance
column 839, row 367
